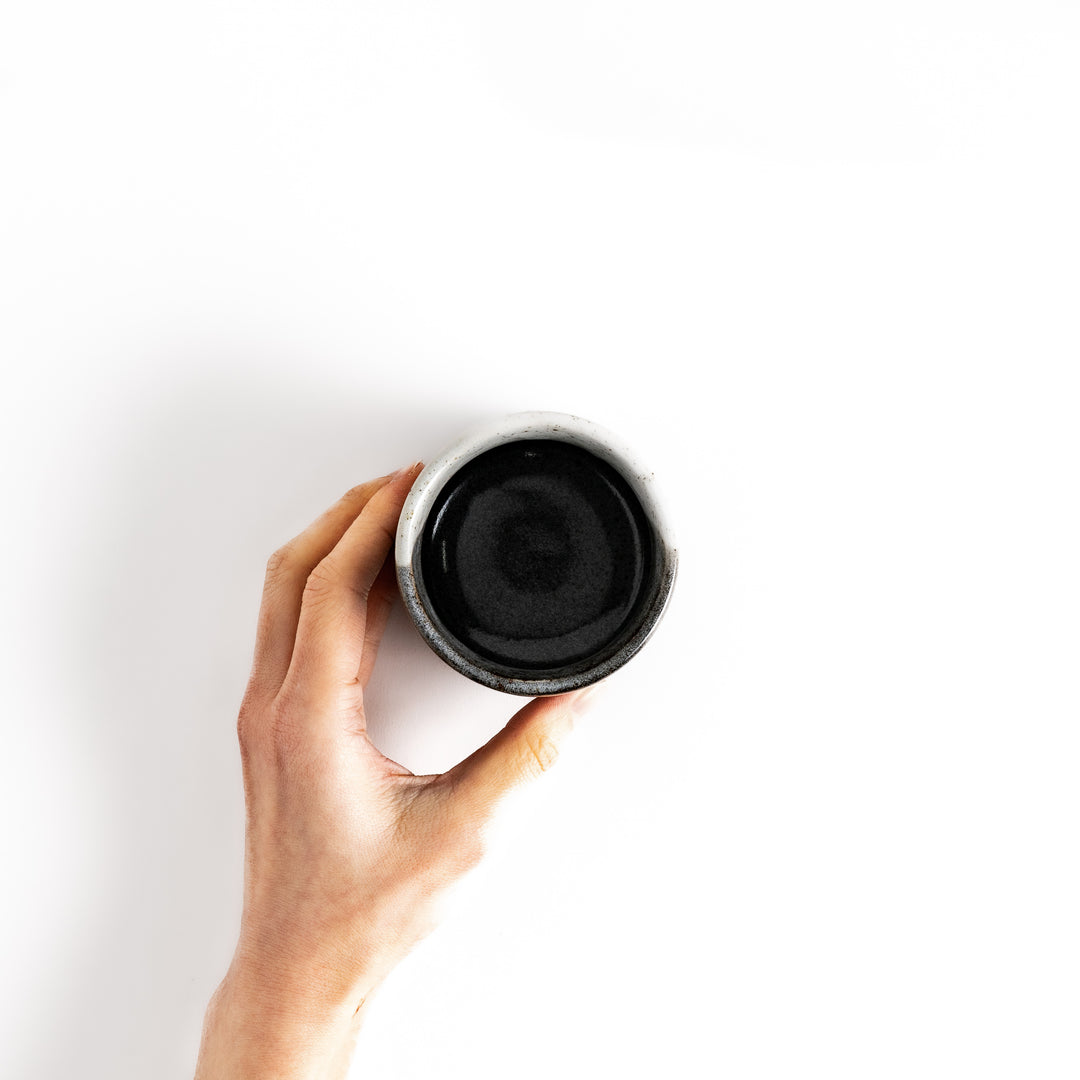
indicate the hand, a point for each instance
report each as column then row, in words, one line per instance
column 347, row 852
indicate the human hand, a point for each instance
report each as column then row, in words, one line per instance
column 347, row 852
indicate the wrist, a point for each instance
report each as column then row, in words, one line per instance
column 261, row 1026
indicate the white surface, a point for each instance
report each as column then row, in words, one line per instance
column 818, row 264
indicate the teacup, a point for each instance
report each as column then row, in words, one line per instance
column 533, row 554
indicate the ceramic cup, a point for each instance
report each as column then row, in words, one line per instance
column 533, row 554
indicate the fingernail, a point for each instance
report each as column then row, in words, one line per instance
column 399, row 473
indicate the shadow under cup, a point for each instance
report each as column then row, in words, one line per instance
column 533, row 557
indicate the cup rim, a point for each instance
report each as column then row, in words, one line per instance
column 535, row 424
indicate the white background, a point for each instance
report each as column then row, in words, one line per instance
column 817, row 263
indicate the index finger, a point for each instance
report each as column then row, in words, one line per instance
column 333, row 611
column 287, row 572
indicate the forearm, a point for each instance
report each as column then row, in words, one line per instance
column 252, row 1032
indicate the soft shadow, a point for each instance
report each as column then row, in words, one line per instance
column 214, row 474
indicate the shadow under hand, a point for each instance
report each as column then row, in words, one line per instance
column 213, row 476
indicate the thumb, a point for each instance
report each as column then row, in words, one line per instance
column 527, row 747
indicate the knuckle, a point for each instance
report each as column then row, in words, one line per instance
column 248, row 728
column 322, row 581
column 280, row 560
column 267, row 733
column 540, row 752
column 327, row 580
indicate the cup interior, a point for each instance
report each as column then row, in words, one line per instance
column 533, row 555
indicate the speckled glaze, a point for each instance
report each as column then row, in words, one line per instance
column 531, row 425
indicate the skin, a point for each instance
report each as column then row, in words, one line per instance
column 347, row 853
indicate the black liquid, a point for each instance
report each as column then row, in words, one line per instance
column 537, row 556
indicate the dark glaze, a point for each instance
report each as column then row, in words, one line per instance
column 537, row 555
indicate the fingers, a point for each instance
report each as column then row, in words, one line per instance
column 380, row 601
column 286, row 575
column 526, row 748
column 332, row 626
